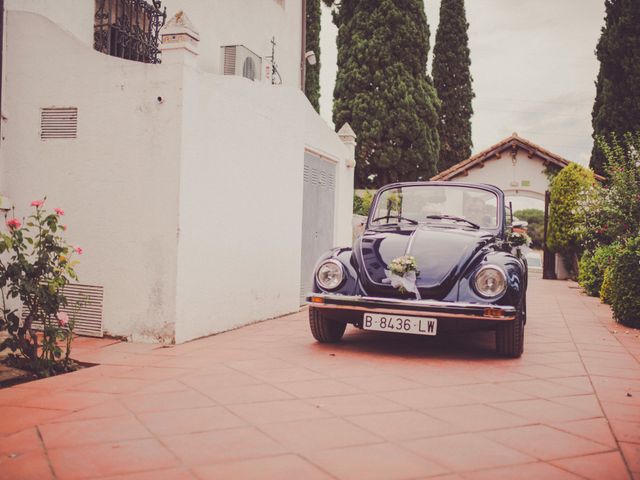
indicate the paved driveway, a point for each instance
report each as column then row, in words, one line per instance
column 266, row 401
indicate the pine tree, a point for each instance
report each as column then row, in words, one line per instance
column 383, row 91
column 452, row 80
column 617, row 105
column 312, row 72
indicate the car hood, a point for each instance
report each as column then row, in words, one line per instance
column 441, row 254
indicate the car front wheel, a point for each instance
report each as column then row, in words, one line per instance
column 510, row 338
column 323, row 328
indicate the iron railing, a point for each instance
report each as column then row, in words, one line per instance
column 129, row 29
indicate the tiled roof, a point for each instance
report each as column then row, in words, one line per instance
column 494, row 151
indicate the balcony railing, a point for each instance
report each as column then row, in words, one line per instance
column 129, row 29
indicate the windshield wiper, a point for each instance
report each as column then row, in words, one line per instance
column 399, row 217
column 455, row 219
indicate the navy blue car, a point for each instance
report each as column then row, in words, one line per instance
column 433, row 257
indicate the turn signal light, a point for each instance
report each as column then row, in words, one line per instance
column 317, row 300
column 493, row 312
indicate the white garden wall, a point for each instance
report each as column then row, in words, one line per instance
column 116, row 181
column 184, row 187
column 252, row 23
column 240, row 203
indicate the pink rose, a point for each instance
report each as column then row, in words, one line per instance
column 79, row 250
column 37, row 203
column 63, row 227
column 59, row 211
column 63, row 319
column 13, row 223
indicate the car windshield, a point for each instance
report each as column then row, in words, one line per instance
column 436, row 203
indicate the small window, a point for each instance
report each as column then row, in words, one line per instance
column 249, row 69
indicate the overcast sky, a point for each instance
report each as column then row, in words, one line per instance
column 533, row 68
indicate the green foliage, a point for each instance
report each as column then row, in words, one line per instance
column 619, row 211
column 570, row 190
column 452, row 79
column 35, row 266
column 535, row 229
column 624, row 294
column 606, row 287
column 617, row 105
column 593, row 265
column 362, row 202
column 383, row 91
column 312, row 72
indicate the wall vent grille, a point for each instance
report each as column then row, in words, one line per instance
column 318, row 177
column 230, row 60
column 58, row 123
column 88, row 316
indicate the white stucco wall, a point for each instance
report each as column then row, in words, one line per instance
column 189, row 208
column 503, row 173
column 116, row 181
column 74, row 16
column 252, row 23
column 240, row 203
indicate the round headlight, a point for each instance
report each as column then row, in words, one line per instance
column 330, row 274
column 490, row 281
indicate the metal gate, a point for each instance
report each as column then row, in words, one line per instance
column 318, row 206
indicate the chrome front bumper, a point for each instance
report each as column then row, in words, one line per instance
column 418, row 308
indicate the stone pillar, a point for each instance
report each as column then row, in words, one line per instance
column 344, row 211
column 348, row 137
column 179, row 41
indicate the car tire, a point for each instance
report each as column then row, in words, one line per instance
column 510, row 338
column 324, row 328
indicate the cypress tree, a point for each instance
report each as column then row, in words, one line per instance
column 383, row 91
column 617, row 105
column 452, row 80
column 312, row 72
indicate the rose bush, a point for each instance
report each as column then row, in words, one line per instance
column 36, row 263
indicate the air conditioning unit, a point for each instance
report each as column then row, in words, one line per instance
column 239, row 60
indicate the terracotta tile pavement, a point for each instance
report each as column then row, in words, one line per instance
column 268, row 402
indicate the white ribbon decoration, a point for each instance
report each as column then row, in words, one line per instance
column 406, row 281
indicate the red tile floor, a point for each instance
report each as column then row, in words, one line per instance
column 266, row 401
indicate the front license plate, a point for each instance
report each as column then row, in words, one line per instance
column 400, row 324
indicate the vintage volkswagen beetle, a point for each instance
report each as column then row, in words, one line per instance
column 454, row 235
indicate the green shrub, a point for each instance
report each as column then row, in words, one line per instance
column 614, row 213
column 567, row 190
column 570, row 189
column 625, row 284
column 362, row 202
column 593, row 265
column 535, row 229
column 605, row 288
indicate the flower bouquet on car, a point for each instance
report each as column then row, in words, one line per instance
column 402, row 274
